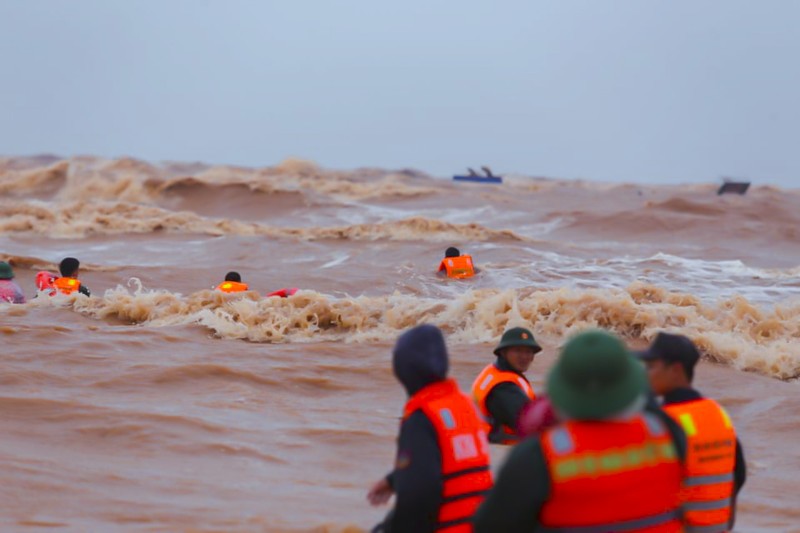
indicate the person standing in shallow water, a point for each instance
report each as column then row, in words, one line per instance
column 501, row 390
column 715, row 459
column 609, row 465
column 9, row 290
column 69, row 282
column 442, row 465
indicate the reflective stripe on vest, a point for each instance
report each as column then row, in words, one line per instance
column 717, row 528
column 466, row 476
column 67, row 285
column 710, row 505
column 611, row 476
column 488, row 379
column 458, row 267
column 232, row 286
column 710, row 461
column 708, row 480
column 630, row 525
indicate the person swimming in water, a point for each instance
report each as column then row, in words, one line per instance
column 69, row 282
column 233, row 283
column 456, row 266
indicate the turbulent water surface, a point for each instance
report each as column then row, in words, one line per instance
column 159, row 404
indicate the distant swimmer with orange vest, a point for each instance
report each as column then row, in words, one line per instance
column 68, row 283
column 501, row 390
column 608, row 466
column 715, row 460
column 441, row 471
column 456, row 266
column 232, row 283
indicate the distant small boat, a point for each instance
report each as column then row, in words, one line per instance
column 733, row 187
column 477, row 178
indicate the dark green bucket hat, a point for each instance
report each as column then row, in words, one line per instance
column 517, row 337
column 595, row 377
column 5, row 271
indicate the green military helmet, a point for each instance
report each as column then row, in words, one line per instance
column 517, row 337
column 595, row 377
column 5, row 271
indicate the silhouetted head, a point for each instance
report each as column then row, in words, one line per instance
column 452, row 252
column 670, row 362
column 69, row 267
column 233, row 276
column 420, row 357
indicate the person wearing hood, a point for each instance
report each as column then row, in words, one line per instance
column 441, row 471
column 501, row 390
column 9, row 290
column 608, row 465
column 716, row 466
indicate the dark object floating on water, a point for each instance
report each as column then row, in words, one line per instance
column 475, row 177
column 734, row 187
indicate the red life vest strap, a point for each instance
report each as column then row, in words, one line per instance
column 284, row 293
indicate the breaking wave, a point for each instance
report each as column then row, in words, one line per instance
column 732, row 331
column 112, row 218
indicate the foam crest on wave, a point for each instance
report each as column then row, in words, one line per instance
column 732, row 331
column 83, row 219
column 131, row 180
column 24, row 181
column 297, row 174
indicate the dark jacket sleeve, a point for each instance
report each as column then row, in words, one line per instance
column 505, row 401
column 739, row 477
column 83, row 289
column 519, row 492
column 740, row 469
column 416, row 479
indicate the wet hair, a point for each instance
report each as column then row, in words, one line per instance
column 233, row 276
column 68, row 266
column 452, row 252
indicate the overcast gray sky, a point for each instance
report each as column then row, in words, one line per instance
column 619, row 90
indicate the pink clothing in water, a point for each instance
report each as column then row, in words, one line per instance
column 11, row 292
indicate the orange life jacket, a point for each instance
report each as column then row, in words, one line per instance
column 466, row 476
column 612, row 476
column 232, row 286
column 710, row 462
column 458, row 267
column 488, row 379
column 66, row 285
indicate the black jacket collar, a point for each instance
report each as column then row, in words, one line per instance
column 681, row 395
